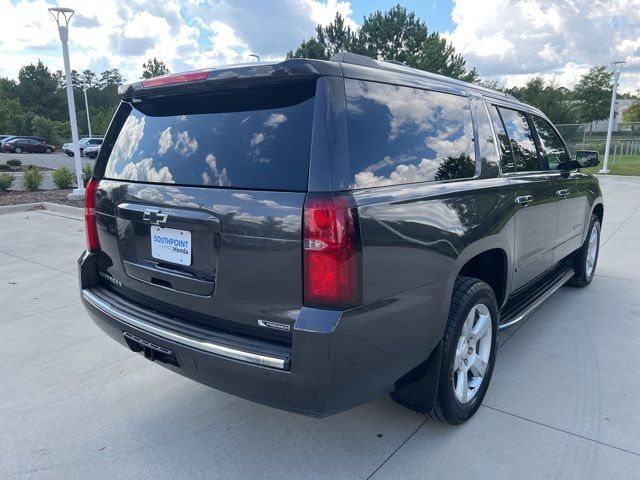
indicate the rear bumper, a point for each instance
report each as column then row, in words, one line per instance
column 337, row 359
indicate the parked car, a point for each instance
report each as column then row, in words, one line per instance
column 5, row 137
column 91, row 151
column 12, row 137
column 23, row 144
column 313, row 234
column 82, row 144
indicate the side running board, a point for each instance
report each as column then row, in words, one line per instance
column 524, row 304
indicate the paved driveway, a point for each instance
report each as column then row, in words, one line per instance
column 564, row 401
column 53, row 160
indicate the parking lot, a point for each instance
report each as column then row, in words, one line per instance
column 563, row 403
column 53, row 160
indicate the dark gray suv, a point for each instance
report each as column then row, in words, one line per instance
column 313, row 234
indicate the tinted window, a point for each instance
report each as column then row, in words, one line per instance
column 404, row 135
column 488, row 153
column 229, row 140
column 506, row 157
column 521, row 140
column 553, row 148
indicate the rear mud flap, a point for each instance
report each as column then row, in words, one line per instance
column 417, row 390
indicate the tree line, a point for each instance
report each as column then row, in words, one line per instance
column 36, row 103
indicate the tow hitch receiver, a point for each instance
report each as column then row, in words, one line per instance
column 150, row 350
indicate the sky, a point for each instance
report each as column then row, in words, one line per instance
column 509, row 41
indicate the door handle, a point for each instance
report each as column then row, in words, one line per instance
column 563, row 193
column 524, row 199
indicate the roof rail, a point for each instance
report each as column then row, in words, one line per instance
column 394, row 65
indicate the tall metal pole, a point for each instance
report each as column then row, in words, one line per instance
column 63, row 30
column 86, row 104
column 617, row 68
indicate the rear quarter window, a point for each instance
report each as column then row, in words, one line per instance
column 252, row 140
column 400, row 135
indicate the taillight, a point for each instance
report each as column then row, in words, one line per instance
column 331, row 252
column 176, row 78
column 90, row 225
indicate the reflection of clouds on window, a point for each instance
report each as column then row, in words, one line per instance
column 182, row 118
column 143, row 171
column 242, row 196
column 245, row 120
column 221, row 178
column 408, row 108
column 165, row 141
column 185, row 145
column 126, row 144
column 257, row 139
column 422, row 172
column 404, row 135
column 274, row 120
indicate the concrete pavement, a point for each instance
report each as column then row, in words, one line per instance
column 563, row 402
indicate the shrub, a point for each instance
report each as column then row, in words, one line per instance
column 14, row 162
column 4, row 167
column 32, row 179
column 87, row 171
column 63, row 178
column 6, row 180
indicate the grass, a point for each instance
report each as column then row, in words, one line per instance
column 625, row 165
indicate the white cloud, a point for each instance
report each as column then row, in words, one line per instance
column 274, row 120
column 185, row 145
column 144, row 171
column 514, row 41
column 165, row 141
column 220, row 176
column 257, row 139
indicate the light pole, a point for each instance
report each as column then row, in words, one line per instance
column 62, row 16
column 617, row 68
column 86, row 104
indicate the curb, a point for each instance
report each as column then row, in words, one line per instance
column 45, row 207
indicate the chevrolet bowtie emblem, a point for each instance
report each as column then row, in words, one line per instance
column 154, row 217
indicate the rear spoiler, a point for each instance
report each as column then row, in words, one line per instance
column 206, row 80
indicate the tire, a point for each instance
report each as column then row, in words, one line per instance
column 18, row 150
column 460, row 396
column 48, row 151
column 586, row 259
column 70, row 154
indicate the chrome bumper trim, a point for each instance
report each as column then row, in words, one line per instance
column 216, row 349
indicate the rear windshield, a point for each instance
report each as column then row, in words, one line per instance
column 258, row 139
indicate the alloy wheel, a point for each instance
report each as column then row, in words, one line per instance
column 472, row 353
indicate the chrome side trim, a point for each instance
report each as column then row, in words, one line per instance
column 543, row 298
column 216, row 349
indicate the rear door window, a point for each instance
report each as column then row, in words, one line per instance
column 554, row 151
column 521, row 140
column 258, row 139
column 401, row 135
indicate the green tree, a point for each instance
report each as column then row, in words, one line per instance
column 111, row 77
column 592, row 95
column 154, row 68
column 552, row 99
column 55, row 132
column 37, row 91
column 89, row 79
column 632, row 112
column 329, row 40
column 393, row 35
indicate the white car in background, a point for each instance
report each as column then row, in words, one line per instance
column 82, row 144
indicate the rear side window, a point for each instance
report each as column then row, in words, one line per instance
column 258, row 139
column 401, row 135
column 521, row 140
column 554, row 152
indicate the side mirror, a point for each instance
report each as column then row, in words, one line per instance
column 587, row 158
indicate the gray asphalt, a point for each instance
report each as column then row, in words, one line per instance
column 563, row 403
column 53, row 160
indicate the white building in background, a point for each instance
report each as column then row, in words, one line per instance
column 601, row 125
